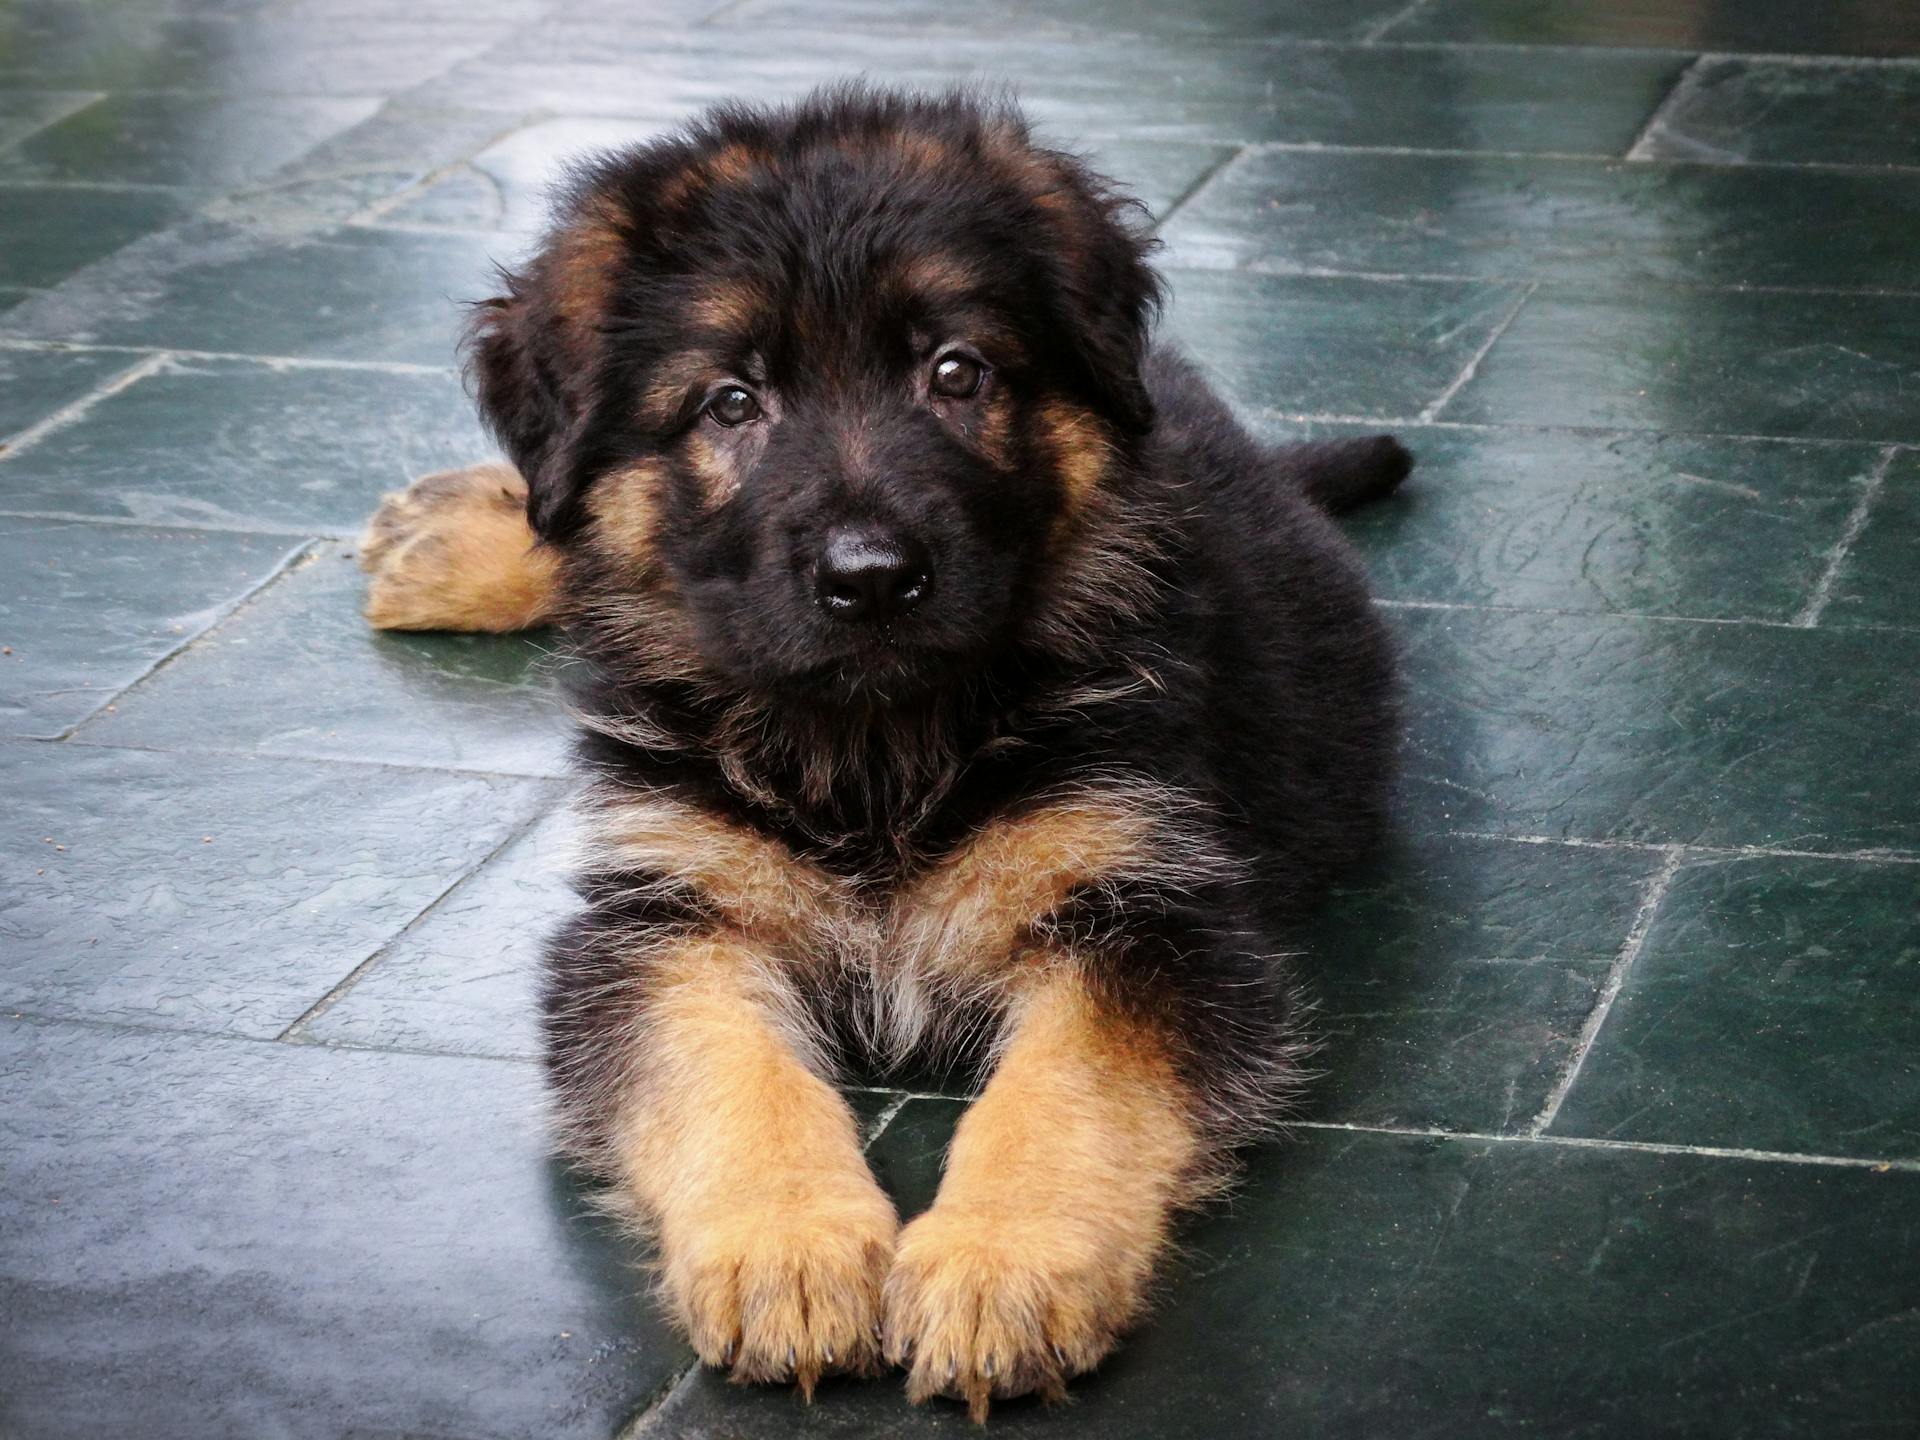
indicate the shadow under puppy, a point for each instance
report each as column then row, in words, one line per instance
column 964, row 681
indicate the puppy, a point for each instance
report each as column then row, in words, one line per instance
column 965, row 684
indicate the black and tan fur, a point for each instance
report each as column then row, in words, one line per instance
column 1050, row 820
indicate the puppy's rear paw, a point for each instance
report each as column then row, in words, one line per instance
column 453, row 551
column 983, row 1306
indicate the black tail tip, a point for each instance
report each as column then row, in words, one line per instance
column 1342, row 475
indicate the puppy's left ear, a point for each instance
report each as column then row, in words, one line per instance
column 1110, row 291
column 535, row 354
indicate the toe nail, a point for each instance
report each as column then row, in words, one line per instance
column 1061, row 1356
column 987, row 1369
column 793, row 1357
column 828, row 1355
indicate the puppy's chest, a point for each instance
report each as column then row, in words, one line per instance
column 972, row 906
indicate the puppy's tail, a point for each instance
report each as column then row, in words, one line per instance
column 1342, row 475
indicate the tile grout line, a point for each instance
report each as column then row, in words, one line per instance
column 1373, row 33
column 73, row 410
column 344, row 986
column 1683, row 86
column 296, row 558
column 174, row 352
column 1206, row 178
column 30, row 1016
column 367, row 216
column 1604, row 159
column 1590, row 1142
column 1265, row 269
column 884, row 1119
column 1562, row 612
column 267, row 531
column 1529, row 427
column 1850, row 533
column 1433, row 409
column 1616, row 980
column 1692, row 851
column 289, row 757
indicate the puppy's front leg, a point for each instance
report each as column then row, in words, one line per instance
column 774, row 1238
column 1058, row 1194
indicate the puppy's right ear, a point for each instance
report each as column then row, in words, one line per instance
column 535, row 355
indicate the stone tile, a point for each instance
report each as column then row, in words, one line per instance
column 1453, row 981
column 365, row 170
column 35, row 383
column 1315, row 19
column 1771, row 1008
column 465, row 978
column 297, row 672
column 1601, row 728
column 220, row 892
column 47, row 233
column 1223, row 93
column 192, row 140
column 1605, row 521
column 1835, row 367
column 1585, row 221
column 506, row 186
column 130, row 48
column 228, row 1238
column 1338, row 345
column 1765, row 26
column 347, row 294
column 1735, row 109
column 86, row 610
column 256, row 447
column 1877, row 584
column 1623, row 1293
column 22, row 112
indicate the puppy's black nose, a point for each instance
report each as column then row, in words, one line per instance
column 869, row 574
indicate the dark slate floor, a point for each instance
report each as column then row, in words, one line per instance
column 1621, row 1130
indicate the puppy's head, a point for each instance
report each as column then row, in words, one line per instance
column 831, row 386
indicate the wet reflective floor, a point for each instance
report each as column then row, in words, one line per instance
column 1620, row 1131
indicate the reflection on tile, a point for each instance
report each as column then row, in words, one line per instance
column 1878, row 584
column 1837, row 367
column 465, row 979
column 1701, row 1274
column 1454, row 978
column 225, row 1238
column 1735, row 110
column 1600, row 728
column 1624, row 522
column 1318, row 19
column 1507, row 217
column 1084, row 86
column 85, row 610
column 237, row 445
column 1771, row 1008
column 470, row 702
column 1315, row 344
column 189, row 140
column 345, row 295
column 220, row 893
column 47, row 232
column 1861, row 27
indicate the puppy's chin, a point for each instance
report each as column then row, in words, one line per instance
column 876, row 674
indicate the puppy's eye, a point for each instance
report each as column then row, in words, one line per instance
column 958, row 377
column 733, row 406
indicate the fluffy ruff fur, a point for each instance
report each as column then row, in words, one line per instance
column 1050, row 821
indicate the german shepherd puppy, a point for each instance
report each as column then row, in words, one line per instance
column 964, row 682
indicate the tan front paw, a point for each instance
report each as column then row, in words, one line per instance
column 784, row 1289
column 985, row 1304
column 453, row 551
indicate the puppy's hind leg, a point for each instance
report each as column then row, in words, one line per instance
column 453, row 551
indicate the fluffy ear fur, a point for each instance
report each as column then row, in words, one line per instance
column 1111, row 293
column 535, row 356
